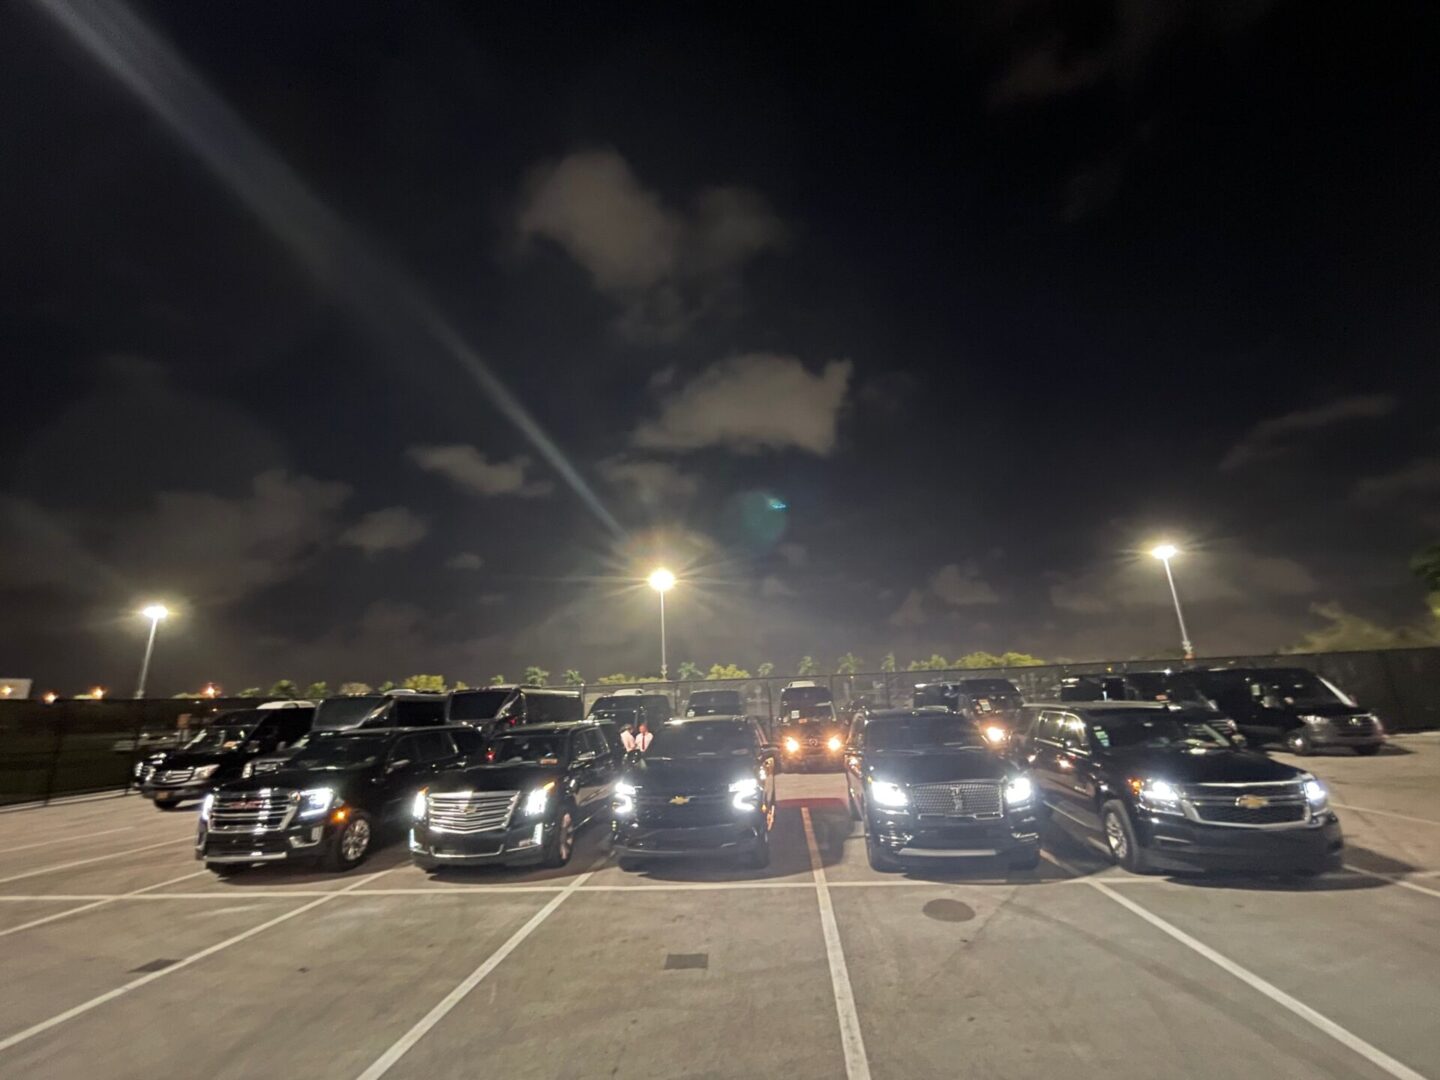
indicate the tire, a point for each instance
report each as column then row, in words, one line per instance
column 1368, row 751
column 880, row 860
column 758, row 857
column 167, row 804
column 560, row 842
column 429, row 866
column 352, row 844
column 227, row 869
column 631, row 865
column 1120, row 838
column 1030, row 860
column 1298, row 742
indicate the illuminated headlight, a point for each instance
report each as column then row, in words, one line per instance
column 420, row 804
column 206, row 806
column 1019, row 791
column 792, row 745
column 204, row 772
column 1316, row 795
column 745, row 791
column 834, row 743
column 1157, row 796
column 1314, row 721
column 887, row 794
column 316, row 801
column 624, row 798
column 995, row 734
column 139, row 769
column 535, row 801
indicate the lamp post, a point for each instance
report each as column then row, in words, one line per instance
column 154, row 612
column 662, row 581
column 1166, row 552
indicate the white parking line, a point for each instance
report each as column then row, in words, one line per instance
column 64, row 839
column 94, row 859
column 1344, row 1036
column 1385, row 813
column 97, row 903
column 857, row 1064
column 193, row 958
column 403, row 1044
column 1393, row 880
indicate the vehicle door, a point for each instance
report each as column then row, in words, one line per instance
column 1076, row 780
column 584, row 769
column 1041, row 755
column 855, row 760
column 765, row 760
column 606, row 769
column 404, row 773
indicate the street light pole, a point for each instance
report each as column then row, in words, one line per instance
column 662, row 581
column 664, row 668
column 1166, row 552
column 155, row 612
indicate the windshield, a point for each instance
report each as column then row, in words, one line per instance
column 218, row 738
column 1119, row 729
column 1159, row 686
column 345, row 753
column 932, row 731
column 715, row 697
column 477, row 704
column 346, row 711
column 999, row 688
column 526, row 750
column 794, row 697
column 674, row 740
column 942, row 694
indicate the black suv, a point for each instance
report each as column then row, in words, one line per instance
column 498, row 707
column 1179, row 688
column 928, row 786
column 330, row 800
column 715, row 703
column 994, row 704
column 1293, row 706
column 219, row 751
column 521, row 802
column 1160, row 790
column 706, row 786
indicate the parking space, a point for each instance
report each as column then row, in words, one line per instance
column 118, row 948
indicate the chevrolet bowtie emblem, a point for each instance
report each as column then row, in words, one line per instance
column 1252, row 802
column 680, row 800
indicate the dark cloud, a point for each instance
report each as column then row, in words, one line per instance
column 1273, row 436
column 393, row 529
column 470, row 470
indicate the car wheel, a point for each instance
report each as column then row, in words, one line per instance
column 226, row 869
column 1368, row 751
column 560, row 843
column 879, row 859
column 1027, row 861
column 167, row 804
column 349, row 848
column 631, row 865
column 1120, row 838
column 1298, row 742
column 759, row 856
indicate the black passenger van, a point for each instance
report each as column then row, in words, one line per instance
column 220, row 750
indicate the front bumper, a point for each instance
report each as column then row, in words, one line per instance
column 1338, row 732
column 726, row 838
column 310, row 840
column 523, row 843
column 177, row 792
column 812, row 757
column 1179, row 844
column 926, row 836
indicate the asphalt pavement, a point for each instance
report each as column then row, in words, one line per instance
column 121, row 957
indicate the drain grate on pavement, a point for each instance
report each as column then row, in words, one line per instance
column 682, row 961
column 153, row 965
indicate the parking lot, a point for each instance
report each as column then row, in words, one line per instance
column 123, row 958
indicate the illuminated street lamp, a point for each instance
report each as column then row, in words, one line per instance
column 1166, row 552
column 662, row 581
column 153, row 612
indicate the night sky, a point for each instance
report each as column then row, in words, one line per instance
column 885, row 331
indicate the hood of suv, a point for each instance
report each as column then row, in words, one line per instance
column 342, row 780
column 689, row 775
column 901, row 767
column 1203, row 766
column 180, row 759
column 496, row 778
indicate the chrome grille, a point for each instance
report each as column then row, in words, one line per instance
column 1241, row 805
column 965, row 798
column 662, row 811
column 471, row 812
column 174, row 776
column 252, row 811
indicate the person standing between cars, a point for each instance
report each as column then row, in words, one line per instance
column 643, row 737
column 627, row 739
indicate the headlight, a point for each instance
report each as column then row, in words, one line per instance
column 316, row 801
column 206, row 805
column 204, row 772
column 887, row 794
column 744, row 791
column 1157, row 796
column 420, row 805
column 835, row 743
column 535, row 801
column 995, row 734
column 1019, row 790
column 792, row 745
column 1316, row 795
column 1314, row 721
column 139, row 769
column 624, row 798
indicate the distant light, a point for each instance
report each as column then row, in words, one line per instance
column 97, row 692
column 661, row 580
column 210, row 691
column 155, row 612
column 779, row 504
column 50, row 697
column 1165, row 552
column 6, row 690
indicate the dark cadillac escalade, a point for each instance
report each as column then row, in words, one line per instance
column 928, row 786
column 1158, row 789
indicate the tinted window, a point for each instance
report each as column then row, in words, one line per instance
column 467, row 741
column 1152, row 728
column 434, row 745
column 1049, row 728
column 552, row 708
column 1073, row 736
column 473, row 705
column 940, row 694
column 702, row 739
column 406, row 749
column 589, row 742
column 339, row 753
column 526, row 749
column 346, row 711
column 408, row 712
column 922, row 731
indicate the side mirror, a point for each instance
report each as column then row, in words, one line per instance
column 584, row 758
column 397, row 765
